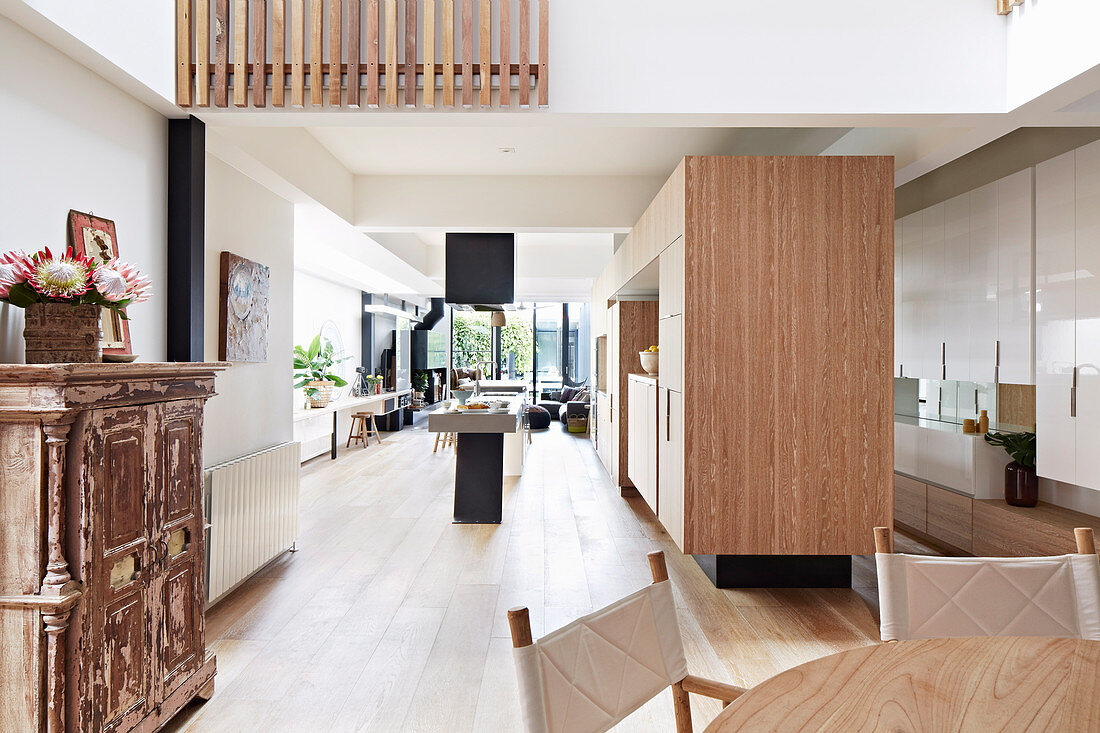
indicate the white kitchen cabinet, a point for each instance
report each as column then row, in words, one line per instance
column 899, row 321
column 670, row 463
column 933, row 295
column 958, row 287
column 1087, row 302
column 670, row 358
column 670, row 268
column 1055, row 317
column 605, row 436
column 912, row 272
column 642, row 439
column 982, row 304
column 1014, row 278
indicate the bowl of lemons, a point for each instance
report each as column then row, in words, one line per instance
column 649, row 359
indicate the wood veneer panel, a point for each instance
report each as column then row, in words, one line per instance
column 297, row 53
column 202, row 53
column 316, row 52
column 429, row 53
column 467, row 53
column 524, row 53
column 335, row 53
column 787, row 343
column 240, row 53
column 221, row 53
column 410, row 53
column 391, row 53
column 183, row 52
column 278, row 53
column 485, row 64
column 911, row 502
column 1001, row 530
column 504, row 96
column 637, row 321
column 448, row 53
column 950, row 518
column 259, row 53
column 354, row 53
column 372, row 53
column 544, row 53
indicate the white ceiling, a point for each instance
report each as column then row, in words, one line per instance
column 553, row 151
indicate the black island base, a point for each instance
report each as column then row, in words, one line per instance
column 479, row 478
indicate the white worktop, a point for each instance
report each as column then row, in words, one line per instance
column 477, row 421
column 347, row 403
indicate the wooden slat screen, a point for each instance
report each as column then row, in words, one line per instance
column 412, row 61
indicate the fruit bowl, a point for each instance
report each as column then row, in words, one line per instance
column 649, row 361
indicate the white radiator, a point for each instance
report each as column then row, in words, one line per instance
column 252, row 514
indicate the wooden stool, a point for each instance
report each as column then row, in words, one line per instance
column 450, row 438
column 361, row 429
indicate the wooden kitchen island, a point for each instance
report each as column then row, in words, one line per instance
column 490, row 446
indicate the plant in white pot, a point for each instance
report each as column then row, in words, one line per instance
column 313, row 371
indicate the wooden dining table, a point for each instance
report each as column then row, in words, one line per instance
column 965, row 684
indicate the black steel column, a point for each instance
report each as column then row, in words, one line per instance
column 367, row 345
column 186, row 242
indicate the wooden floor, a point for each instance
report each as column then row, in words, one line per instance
column 390, row 618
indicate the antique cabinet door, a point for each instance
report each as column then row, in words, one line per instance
column 179, row 586
column 119, row 459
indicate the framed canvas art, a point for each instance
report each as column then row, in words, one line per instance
column 243, row 307
column 95, row 238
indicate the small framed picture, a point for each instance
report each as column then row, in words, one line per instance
column 95, row 238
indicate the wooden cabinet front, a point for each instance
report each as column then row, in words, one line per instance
column 911, row 502
column 950, row 518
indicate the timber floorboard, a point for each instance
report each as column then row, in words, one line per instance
column 390, row 618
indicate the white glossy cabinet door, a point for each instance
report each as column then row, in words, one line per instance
column 1055, row 350
column 670, row 268
column 899, row 323
column 958, row 287
column 912, row 273
column 1014, row 278
column 933, row 294
column 670, row 463
column 1087, row 337
column 670, row 359
column 982, row 310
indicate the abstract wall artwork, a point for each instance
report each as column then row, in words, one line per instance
column 243, row 306
column 95, row 238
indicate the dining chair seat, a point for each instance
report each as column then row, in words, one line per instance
column 925, row 597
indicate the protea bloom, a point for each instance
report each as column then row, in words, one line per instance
column 119, row 281
column 14, row 267
column 66, row 276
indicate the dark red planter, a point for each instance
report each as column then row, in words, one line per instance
column 1021, row 485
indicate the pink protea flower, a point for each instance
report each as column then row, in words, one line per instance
column 14, row 267
column 64, row 277
column 119, row 281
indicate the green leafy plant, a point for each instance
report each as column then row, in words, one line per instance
column 420, row 380
column 314, row 365
column 1020, row 446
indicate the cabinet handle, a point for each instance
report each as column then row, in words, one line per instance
column 668, row 416
column 997, row 361
column 1073, row 395
column 943, row 360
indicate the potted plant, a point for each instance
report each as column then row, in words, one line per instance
column 420, row 384
column 63, row 296
column 1021, row 483
column 313, row 371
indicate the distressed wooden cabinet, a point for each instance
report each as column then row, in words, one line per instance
column 101, row 557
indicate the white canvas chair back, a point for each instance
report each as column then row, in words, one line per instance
column 589, row 675
column 922, row 597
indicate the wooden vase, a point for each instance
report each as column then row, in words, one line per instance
column 60, row 333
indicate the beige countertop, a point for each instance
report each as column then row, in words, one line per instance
column 478, row 421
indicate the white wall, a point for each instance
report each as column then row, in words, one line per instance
column 317, row 301
column 253, row 406
column 1049, row 42
column 503, row 203
column 70, row 140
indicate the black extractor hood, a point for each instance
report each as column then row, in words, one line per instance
column 481, row 271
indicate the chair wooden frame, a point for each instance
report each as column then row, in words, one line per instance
column 359, row 432
column 447, row 438
column 519, row 622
